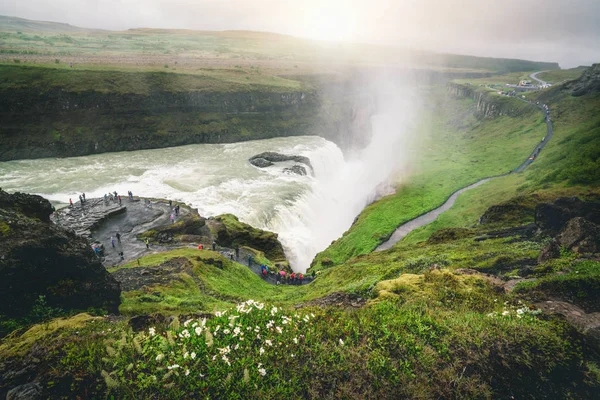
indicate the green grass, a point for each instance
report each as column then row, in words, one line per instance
column 107, row 79
column 557, row 76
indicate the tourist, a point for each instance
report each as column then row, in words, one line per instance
column 200, row 246
column 81, row 200
column 293, row 278
column 231, row 255
column 105, row 198
column 237, row 252
column 300, row 278
column 214, row 245
column 83, row 195
column 170, row 203
column 112, row 241
column 147, row 244
column 172, row 218
column 70, row 202
column 278, row 279
column 119, row 200
column 249, row 260
column 122, row 256
column 263, row 270
column 118, row 237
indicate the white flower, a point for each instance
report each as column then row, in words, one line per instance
column 236, row 331
column 262, row 371
column 237, row 346
column 248, row 328
column 184, row 334
column 218, row 314
column 217, row 328
column 270, row 324
column 268, row 342
column 274, row 310
column 293, row 355
column 250, row 302
column 198, row 330
column 258, row 336
column 203, row 321
column 195, row 324
column 341, row 342
column 186, row 355
column 491, row 314
column 312, row 315
column 187, row 372
column 193, row 356
column 174, row 366
column 256, row 329
column 279, row 329
column 296, row 340
column 260, row 306
column 505, row 313
column 152, row 331
column 160, row 357
column 186, row 323
column 261, row 351
column 226, row 331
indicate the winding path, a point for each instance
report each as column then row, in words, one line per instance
column 432, row 215
column 535, row 78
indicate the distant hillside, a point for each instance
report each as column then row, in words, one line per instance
column 25, row 25
column 278, row 53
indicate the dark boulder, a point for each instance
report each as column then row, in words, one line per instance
column 273, row 157
column 28, row 391
column 296, row 169
column 580, row 236
column 552, row 217
column 38, row 258
column 31, row 206
column 552, row 250
column 260, row 162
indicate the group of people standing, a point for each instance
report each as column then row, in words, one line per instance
column 81, row 200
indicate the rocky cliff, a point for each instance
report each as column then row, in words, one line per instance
column 38, row 258
column 489, row 104
column 40, row 117
column 587, row 83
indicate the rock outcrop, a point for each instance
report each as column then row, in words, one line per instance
column 295, row 169
column 580, row 236
column 587, row 83
column 38, row 258
column 552, row 217
column 230, row 232
column 488, row 104
column 268, row 158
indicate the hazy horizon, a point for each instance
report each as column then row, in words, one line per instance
column 560, row 31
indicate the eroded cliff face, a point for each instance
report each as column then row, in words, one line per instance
column 489, row 105
column 587, row 83
column 61, row 123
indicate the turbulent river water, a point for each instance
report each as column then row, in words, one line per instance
column 215, row 178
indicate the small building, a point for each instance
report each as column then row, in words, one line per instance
column 525, row 83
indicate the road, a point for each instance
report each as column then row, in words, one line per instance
column 535, row 78
column 430, row 216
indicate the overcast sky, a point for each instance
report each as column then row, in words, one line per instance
column 565, row 31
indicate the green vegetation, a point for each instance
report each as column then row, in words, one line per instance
column 558, row 76
column 451, row 154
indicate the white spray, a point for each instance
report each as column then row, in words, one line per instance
column 344, row 187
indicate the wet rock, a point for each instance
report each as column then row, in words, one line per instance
column 580, row 236
column 143, row 322
column 65, row 269
column 338, row 299
column 296, row 169
column 28, row 391
column 260, row 162
column 273, row 157
column 552, row 250
column 551, row 217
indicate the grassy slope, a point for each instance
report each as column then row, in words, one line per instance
column 455, row 150
column 424, row 334
column 561, row 75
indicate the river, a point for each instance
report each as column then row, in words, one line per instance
column 215, row 178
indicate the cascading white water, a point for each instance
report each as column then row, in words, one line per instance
column 308, row 212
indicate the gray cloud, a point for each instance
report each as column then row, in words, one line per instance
column 567, row 31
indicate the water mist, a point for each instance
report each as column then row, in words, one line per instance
column 344, row 186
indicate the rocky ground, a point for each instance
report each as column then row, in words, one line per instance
column 100, row 221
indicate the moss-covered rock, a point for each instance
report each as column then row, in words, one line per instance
column 229, row 231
